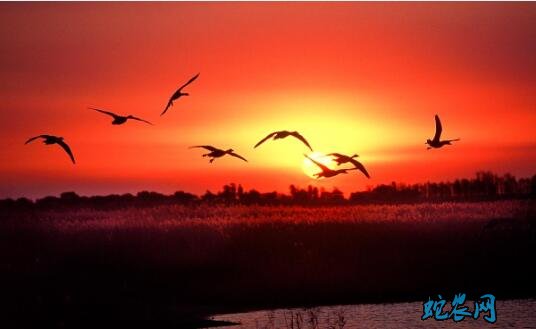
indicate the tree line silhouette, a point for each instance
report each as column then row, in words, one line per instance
column 484, row 186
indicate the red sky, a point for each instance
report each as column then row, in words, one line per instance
column 362, row 78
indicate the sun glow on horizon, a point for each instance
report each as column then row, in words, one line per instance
column 310, row 168
column 354, row 78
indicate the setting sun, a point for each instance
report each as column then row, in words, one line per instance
column 310, row 168
column 360, row 85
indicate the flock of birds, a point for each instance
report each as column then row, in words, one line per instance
column 215, row 153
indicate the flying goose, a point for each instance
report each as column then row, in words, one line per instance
column 326, row 172
column 119, row 119
column 179, row 94
column 436, row 142
column 341, row 158
column 49, row 140
column 282, row 134
column 217, row 153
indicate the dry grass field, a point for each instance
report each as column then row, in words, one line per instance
column 172, row 265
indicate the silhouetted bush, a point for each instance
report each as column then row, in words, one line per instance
column 485, row 186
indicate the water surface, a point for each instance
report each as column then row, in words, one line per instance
column 510, row 314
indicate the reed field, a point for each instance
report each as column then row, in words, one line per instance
column 176, row 264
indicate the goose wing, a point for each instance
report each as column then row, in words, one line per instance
column 206, row 147
column 300, row 137
column 337, row 155
column 265, row 139
column 237, row 156
column 438, row 128
column 189, row 81
column 66, row 148
column 324, row 168
column 358, row 165
column 105, row 112
column 170, row 102
column 36, row 137
column 139, row 119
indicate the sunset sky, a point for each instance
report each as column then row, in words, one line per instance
column 363, row 78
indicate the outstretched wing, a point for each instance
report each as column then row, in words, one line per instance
column 324, row 168
column 337, row 155
column 105, row 112
column 66, row 148
column 207, row 147
column 36, row 137
column 438, row 128
column 237, row 156
column 139, row 119
column 170, row 102
column 189, row 81
column 300, row 137
column 265, row 139
column 359, row 165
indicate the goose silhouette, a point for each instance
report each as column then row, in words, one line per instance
column 50, row 139
column 178, row 94
column 119, row 119
column 326, row 172
column 437, row 142
column 217, row 153
column 341, row 158
column 283, row 134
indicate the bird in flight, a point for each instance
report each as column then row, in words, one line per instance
column 49, row 140
column 326, row 172
column 179, row 93
column 283, row 134
column 341, row 158
column 436, row 142
column 119, row 119
column 217, row 153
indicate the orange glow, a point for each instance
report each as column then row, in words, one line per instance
column 363, row 78
column 310, row 168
